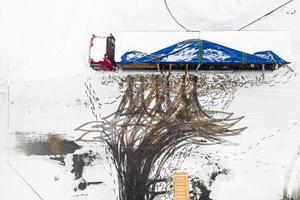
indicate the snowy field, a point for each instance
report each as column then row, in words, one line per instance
column 44, row 77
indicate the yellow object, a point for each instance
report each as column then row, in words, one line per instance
column 181, row 186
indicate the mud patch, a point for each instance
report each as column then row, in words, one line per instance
column 50, row 144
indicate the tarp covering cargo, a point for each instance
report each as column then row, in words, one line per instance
column 270, row 55
column 195, row 51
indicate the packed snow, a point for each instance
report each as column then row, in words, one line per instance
column 44, row 76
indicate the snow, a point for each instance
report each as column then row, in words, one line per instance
column 222, row 15
column 214, row 55
column 45, row 46
column 268, row 56
column 186, row 54
column 132, row 55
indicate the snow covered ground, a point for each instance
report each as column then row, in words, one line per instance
column 43, row 61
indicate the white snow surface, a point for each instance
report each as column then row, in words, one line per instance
column 43, row 55
column 186, row 54
column 214, row 55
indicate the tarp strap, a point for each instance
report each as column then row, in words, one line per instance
column 200, row 51
column 157, row 61
column 244, row 58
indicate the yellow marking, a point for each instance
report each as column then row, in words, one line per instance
column 181, row 186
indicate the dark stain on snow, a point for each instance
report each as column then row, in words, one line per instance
column 45, row 145
column 200, row 191
column 82, row 160
column 79, row 162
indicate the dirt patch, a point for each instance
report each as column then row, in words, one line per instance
column 51, row 144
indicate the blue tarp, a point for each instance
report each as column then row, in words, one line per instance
column 195, row 51
column 270, row 55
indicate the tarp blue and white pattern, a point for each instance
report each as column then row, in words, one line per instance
column 195, row 51
column 270, row 55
